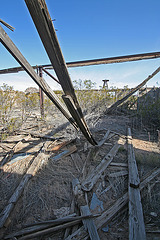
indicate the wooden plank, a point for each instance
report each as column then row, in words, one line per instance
column 65, row 153
column 135, row 89
column 10, row 46
column 18, row 157
column 89, row 182
column 57, row 147
column 115, row 164
column 136, row 220
column 110, row 60
column 84, row 209
column 118, row 174
column 132, row 166
column 89, row 223
column 12, row 151
column 6, row 148
column 104, row 138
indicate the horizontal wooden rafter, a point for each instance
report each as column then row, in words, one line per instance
column 119, row 59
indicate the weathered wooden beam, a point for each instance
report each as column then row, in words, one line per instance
column 89, row 223
column 132, row 165
column 119, row 59
column 10, row 46
column 49, row 74
column 136, row 220
column 84, row 209
column 53, row 224
column 44, row 25
column 7, row 25
column 116, row 104
column 92, row 178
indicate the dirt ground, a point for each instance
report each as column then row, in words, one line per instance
column 48, row 194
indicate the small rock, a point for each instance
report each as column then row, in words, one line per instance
column 105, row 229
column 153, row 214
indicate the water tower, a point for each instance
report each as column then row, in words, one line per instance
column 105, row 83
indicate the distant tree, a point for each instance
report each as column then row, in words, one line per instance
column 83, row 84
column 7, row 101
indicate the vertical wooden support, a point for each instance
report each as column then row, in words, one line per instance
column 136, row 220
column 41, row 95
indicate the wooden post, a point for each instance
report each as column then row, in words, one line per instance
column 136, row 220
column 41, row 95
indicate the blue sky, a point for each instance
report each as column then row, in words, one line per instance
column 87, row 29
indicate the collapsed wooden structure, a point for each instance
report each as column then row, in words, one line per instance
column 73, row 113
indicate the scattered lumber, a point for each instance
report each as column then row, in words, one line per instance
column 136, row 220
column 84, row 209
column 47, row 225
column 108, row 214
column 116, row 104
column 15, row 196
column 89, row 182
column 49, row 230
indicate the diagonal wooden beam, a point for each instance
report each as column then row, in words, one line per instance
column 120, row 101
column 43, row 22
column 7, row 25
column 10, row 46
